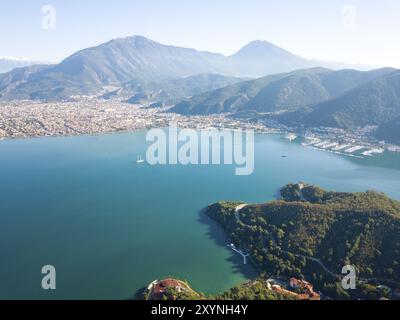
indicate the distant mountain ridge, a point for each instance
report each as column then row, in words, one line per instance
column 317, row 97
column 169, row 92
column 278, row 93
column 93, row 70
column 374, row 103
column 9, row 63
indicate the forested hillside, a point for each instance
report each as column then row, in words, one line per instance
column 313, row 233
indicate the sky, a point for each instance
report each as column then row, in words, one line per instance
column 352, row 31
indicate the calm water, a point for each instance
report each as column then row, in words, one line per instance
column 110, row 226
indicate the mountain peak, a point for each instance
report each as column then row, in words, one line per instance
column 259, row 48
column 136, row 40
column 141, row 59
column 259, row 44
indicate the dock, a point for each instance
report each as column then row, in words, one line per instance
column 354, row 149
column 240, row 252
column 371, row 152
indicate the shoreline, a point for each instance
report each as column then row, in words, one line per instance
column 16, row 138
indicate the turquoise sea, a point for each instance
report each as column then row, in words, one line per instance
column 110, row 226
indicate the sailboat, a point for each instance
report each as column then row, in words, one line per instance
column 139, row 159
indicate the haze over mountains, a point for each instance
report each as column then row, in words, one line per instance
column 173, row 91
column 346, row 99
column 291, row 89
column 280, row 92
column 9, row 63
column 373, row 103
column 93, row 71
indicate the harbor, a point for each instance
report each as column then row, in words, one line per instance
column 351, row 149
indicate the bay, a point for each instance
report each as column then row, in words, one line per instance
column 110, row 226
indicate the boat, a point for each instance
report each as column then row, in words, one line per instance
column 139, row 159
column 291, row 137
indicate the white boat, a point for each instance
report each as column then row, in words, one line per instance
column 291, row 137
column 139, row 159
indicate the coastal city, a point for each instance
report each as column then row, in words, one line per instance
column 90, row 116
column 200, row 158
column 19, row 119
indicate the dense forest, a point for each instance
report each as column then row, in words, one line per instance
column 252, row 290
column 312, row 233
column 390, row 131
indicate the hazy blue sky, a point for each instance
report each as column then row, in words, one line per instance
column 356, row 31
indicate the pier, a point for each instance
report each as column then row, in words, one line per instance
column 240, row 252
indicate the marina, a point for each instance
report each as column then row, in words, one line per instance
column 346, row 149
column 354, row 149
column 371, row 152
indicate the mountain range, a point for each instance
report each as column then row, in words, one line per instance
column 314, row 97
column 372, row 103
column 109, row 66
column 173, row 91
column 280, row 92
column 291, row 89
column 9, row 63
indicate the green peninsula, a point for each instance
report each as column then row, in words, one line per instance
column 311, row 233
